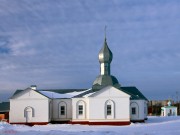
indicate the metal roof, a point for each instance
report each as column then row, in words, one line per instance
column 83, row 94
column 105, row 80
column 63, row 91
column 105, row 54
column 168, row 107
column 17, row 91
column 132, row 91
column 60, row 91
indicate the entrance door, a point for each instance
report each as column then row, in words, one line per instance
column 28, row 114
column 170, row 112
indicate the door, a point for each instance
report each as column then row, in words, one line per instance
column 28, row 114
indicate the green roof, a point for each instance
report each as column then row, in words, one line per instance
column 169, row 107
column 103, row 81
column 4, row 107
column 17, row 91
column 134, row 92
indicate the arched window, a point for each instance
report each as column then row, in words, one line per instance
column 109, row 109
column 29, row 113
column 62, row 109
column 81, row 110
column 134, row 110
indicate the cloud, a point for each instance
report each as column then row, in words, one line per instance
column 55, row 44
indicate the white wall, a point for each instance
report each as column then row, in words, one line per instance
column 95, row 109
column 32, row 99
column 167, row 111
column 40, row 106
column 75, row 115
column 120, row 111
column 56, row 110
column 141, row 109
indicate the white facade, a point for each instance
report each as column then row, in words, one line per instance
column 62, row 110
column 169, row 111
column 29, row 106
column 95, row 106
column 138, row 110
column 106, row 105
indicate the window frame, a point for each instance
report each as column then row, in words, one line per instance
column 62, row 111
column 109, row 110
column 133, row 110
column 80, row 110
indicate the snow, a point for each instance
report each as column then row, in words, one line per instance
column 87, row 95
column 153, row 126
column 51, row 94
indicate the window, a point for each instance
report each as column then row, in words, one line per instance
column 133, row 110
column 108, row 109
column 62, row 110
column 80, row 109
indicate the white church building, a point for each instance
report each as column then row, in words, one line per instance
column 106, row 103
column 169, row 110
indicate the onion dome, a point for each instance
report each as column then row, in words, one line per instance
column 105, row 54
column 105, row 78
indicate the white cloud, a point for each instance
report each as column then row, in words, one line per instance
column 56, row 42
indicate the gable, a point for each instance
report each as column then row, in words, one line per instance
column 110, row 91
column 29, row 94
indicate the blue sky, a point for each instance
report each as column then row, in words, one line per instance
column 55, row 44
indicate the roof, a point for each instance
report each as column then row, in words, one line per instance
column 56, row 93
column 63, row 91
column 4, row 107
column 77, row 93
column 105, row 80
column 134, row 92
column 84, row 93
column 17, row 91
column 169, row 107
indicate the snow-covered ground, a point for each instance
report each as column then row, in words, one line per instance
column 153, row 126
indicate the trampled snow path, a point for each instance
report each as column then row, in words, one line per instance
column 153, row 126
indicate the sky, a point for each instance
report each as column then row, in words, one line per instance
column 54, row 44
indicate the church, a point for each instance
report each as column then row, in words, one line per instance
column 105, row 103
